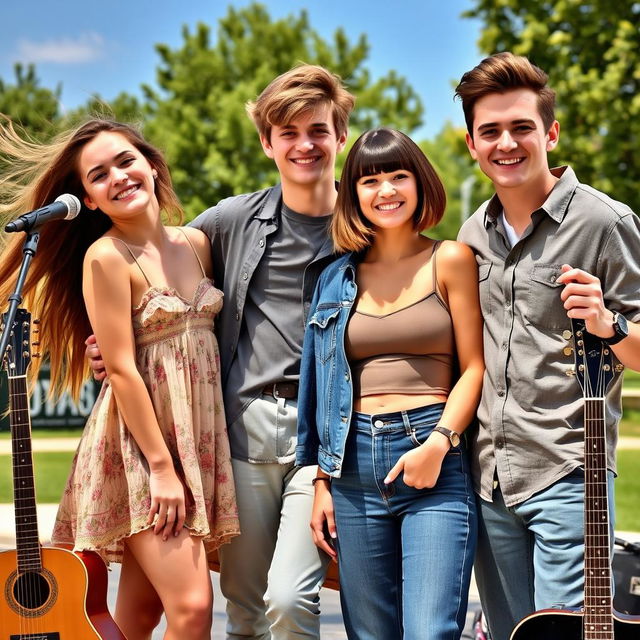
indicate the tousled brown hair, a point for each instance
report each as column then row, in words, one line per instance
column 33, row 175
column 383, row 150
column 504, row 72
column 299, row 91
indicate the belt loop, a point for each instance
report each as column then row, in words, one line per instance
column 409, row 430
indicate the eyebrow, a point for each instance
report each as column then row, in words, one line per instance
column 115, row 158
column 491, row 125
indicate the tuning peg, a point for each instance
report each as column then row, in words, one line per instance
column 567, row 335
column 570, row 372
column 567, row 351
column 619, row 368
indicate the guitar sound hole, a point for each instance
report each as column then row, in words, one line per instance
column 31, row 590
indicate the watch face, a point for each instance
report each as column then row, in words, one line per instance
column 621, row 327
column 455, row 439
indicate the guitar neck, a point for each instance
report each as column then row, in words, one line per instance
column 24, row 494
column 598, row 622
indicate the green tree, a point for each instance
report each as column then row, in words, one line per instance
column 197, row 111
column 458, row 171
column 33, row 107
column 591, row 51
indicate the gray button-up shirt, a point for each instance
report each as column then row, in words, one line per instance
column 240, row 229
column 530, row 430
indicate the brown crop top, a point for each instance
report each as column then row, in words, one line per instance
column 410, row 350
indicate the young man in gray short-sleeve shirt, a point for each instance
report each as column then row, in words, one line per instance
column 548, row 249
column 268, row 249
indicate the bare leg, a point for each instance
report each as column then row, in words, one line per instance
column 178, row 572
column 138, row 607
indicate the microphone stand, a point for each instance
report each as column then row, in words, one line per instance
column 28, row 252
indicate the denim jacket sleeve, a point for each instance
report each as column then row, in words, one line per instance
column 308, row 440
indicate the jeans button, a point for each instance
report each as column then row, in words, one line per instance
column 378, row 424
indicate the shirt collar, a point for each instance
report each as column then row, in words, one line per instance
column 556, row 204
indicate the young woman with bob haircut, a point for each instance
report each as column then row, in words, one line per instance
column 151, row 483
column 391, row 374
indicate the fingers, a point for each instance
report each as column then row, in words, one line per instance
column 395, row 471
column 318, row 533
column 93, row 355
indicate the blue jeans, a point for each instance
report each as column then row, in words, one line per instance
column 405, row 554
column 531, row 556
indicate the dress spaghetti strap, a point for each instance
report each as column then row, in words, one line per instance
column 133, row 256
column 204, row 275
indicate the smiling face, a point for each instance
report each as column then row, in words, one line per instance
column 510, row 141
column 388, row 200
column 305, row 149
column 116, row 177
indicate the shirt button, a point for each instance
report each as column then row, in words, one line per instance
column 346, row 377
column 245, row 275
column 501, row 393
column 237, row 316
column 261, row 243
column 378, row 424
column 499, row 444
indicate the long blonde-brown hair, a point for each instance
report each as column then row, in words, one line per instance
column 33, row 175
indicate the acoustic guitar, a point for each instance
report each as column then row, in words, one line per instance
column 45, row 593
column 597, row 620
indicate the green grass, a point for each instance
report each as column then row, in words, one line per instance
column 631, row 379
column 628, row 491
column 47, row 433
column 630, row 423
column 51, row 469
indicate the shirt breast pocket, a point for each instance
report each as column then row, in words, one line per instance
column 544, row 307
column 324, row 323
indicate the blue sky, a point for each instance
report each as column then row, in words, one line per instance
column 107, row 47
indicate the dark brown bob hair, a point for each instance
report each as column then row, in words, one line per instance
column 383, row 150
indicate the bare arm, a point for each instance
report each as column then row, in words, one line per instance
column 107, row 294
column 459, row 276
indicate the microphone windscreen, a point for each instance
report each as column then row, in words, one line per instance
column 73, row 204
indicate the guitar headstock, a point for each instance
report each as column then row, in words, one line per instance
column 594, row 361
column 18, row 354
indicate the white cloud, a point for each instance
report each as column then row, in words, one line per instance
column 85, row 48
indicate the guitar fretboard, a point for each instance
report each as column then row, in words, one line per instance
column 598, row 620
column 24, row 494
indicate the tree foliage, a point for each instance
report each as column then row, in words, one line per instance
column 33, row 107
column 197, row 112
column 591, row 51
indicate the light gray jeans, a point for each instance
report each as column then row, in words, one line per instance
column 272, row 572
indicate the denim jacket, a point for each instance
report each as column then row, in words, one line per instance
column 325, row 399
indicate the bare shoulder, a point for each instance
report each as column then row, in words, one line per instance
column 201, row 243
column 199, row 238
column 455, row 255
column 107, row 251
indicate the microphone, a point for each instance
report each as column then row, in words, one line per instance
column 65, row 207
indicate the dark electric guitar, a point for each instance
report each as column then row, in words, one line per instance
column 597, row 620
column 46, row 593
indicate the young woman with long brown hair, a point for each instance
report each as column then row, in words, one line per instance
column 151, row 484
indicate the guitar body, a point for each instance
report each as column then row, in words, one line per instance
column 66, row 600
column 556, row 624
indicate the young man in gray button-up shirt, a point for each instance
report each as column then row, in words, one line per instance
column 548, row 249
column 268, row 249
